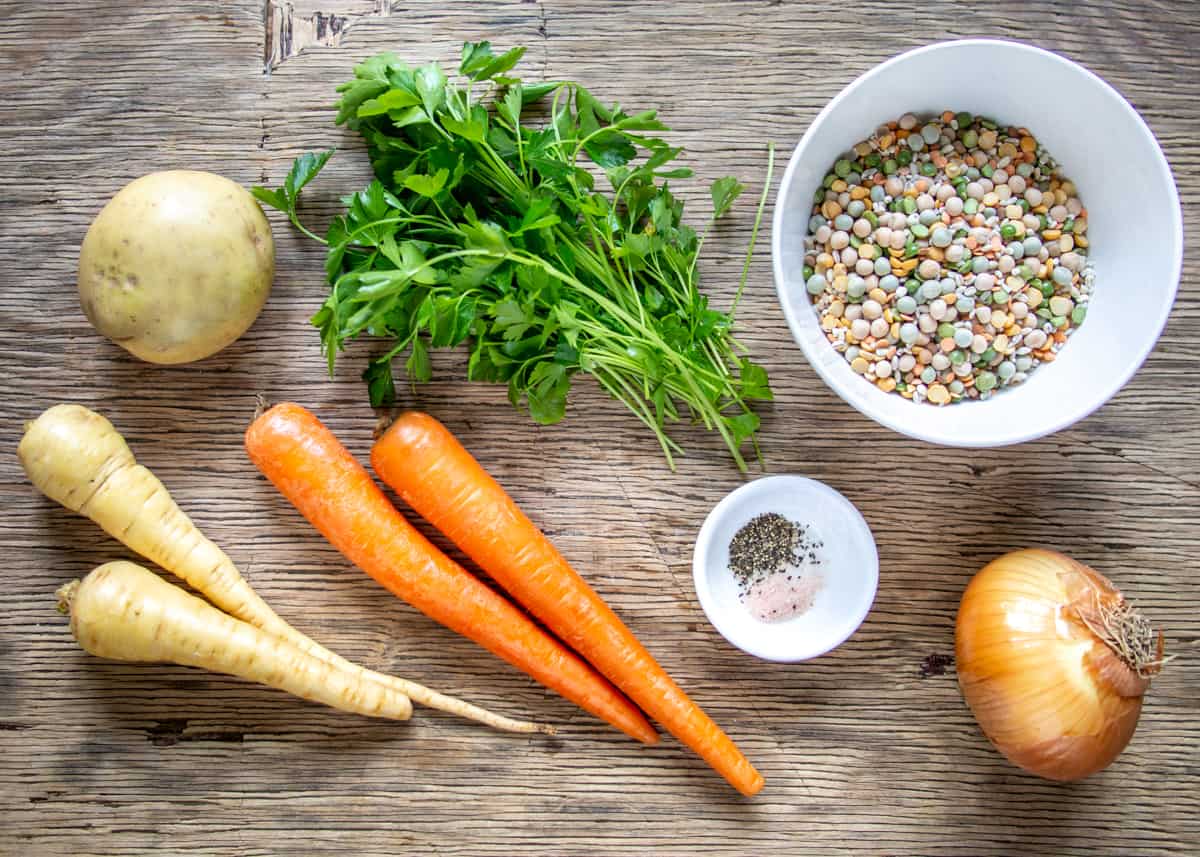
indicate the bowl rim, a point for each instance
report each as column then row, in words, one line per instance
column 1106, row 390
column 704, row 541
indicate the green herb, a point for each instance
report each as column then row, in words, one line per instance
column 285, row 198
column 485, row 225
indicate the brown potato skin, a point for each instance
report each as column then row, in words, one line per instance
column 176, row 266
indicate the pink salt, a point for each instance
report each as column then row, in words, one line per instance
column 776, row 597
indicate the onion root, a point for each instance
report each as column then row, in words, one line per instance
column 1123, row 628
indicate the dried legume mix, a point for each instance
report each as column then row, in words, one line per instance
column 947, row 259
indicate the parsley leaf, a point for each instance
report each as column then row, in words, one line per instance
column 427, row 185
column 724, row 192
column 431, row 86
column 418, row 366
column 286, row 198
column 380, row 386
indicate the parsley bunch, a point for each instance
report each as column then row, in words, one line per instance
column 485, row 225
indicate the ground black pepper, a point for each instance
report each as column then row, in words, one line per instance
column 936, row 664
column 767, row 544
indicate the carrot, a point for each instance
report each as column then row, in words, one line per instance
column 338, row 497
column 124, row 612
column 419, row 458
column 75, row 456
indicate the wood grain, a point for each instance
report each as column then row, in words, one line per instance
column 861, row 753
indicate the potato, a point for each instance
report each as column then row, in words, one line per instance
column 176, row 266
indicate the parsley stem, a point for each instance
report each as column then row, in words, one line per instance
column 618, row 389
column 295, row 218
column 762, row 204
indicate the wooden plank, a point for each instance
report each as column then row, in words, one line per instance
column 862, row 753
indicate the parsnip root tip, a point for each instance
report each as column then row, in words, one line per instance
column 66, row 595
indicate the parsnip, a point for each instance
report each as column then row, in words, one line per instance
column 76, row 457
column 124, row 612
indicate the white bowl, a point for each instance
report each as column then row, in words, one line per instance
column 850, row 569
column 1135, row 227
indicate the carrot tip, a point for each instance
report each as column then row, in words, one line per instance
column 753, row 787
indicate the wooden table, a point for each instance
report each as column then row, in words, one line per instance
column 863, row 752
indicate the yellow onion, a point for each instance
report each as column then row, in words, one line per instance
column 1053, row 662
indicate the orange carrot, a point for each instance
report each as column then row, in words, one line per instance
column 433, row 473
column 321, row 479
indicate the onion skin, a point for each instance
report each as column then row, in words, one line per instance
column 1046, row 690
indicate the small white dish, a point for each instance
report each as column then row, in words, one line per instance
column 850, row 569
